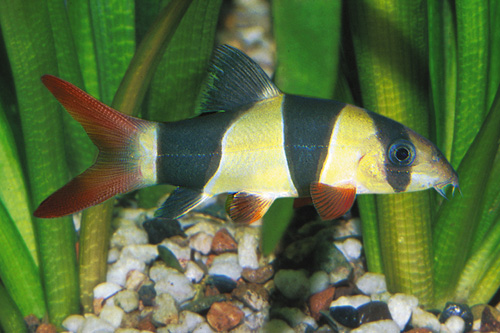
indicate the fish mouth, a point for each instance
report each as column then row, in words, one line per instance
column 453, row 181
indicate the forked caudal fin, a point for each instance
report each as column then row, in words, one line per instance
column 127, row 152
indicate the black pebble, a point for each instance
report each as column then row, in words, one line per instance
column 223, row 283
column 373, row 311
column 147, row 293
column 457, row 309
column 345, row 315
column 159, row 228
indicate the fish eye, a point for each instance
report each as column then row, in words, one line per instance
column 402, row 153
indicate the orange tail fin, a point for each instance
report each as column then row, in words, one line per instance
column 127, row 151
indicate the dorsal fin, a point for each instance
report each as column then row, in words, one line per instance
column 234, row 80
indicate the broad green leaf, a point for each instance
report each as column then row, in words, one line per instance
column 127, row 99
column 13, row 192
column 458, row 218
column 43, row 138
column 275, row 223
column 472, row 18
column 391, row 56
column 307, row 45
column 18, row 271
column 11, row 319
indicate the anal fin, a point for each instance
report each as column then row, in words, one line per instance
column 181, row 201
column 247, row 208
column 332, row 202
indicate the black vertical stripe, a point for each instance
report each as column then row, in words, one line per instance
column 308, row 125
column 189, row 151
column 388, row 131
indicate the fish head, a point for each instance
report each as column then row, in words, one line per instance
column 397, row 159
column 430, row 167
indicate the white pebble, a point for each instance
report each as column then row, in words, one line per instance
column 128, row 300
column 117, row 272
column 113, row 255
column 193, row 272
column 203, row 328
column 455, row 324
column 94, row 324
column 128, row 235
column 355, row 301
column 106, row 289
column 401, row 307
column 112, row 314
column 247, row 250
column 201, row 242
column 165, row 311
column 182, row 253
column 386, row 326
column 143, row 252
column 129, row 330
column 372, row 283
column 202, row 226
column 319, row 282
column 350, row 248
column 424, row 319
column 73, row 323
column 187, row 323
column 226, row 264
column 169, row 280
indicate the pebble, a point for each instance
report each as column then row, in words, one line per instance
column 188, row 321
column 143, row 252
column 117, row 272
column 202, row 225
column 319, row 282
column 277, row 325
column 158, row 229
column 351, row 248
column 201, row 242
column 93, row 324
column 401, row 307
column 223, row 242
column 455, row 324
column 165, row 312
column 320, row 302
column 147, row 293
column 355, row 301
column 106, row 289
column 182, row 253
column 226, row 264
column 386, row 326
column 293, row 284
column 372, row 283
column 128, row 235
column 73, row 323
column 424, row 319
column 127, row 299
column 294, row 316
column 113, row 255
column 373, row 311
column 222, row 283
column 345, row 315
column 248, row 244
column 259, row 275
column 488, row 320
column 254, row 296
column 224, row 316
column 203, row 328
column 169, row 280
column 112, row 314
column 457, row 309
column 193, row 272
column 135, row 280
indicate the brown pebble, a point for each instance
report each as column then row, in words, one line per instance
column 32, row 322
column 211, row 290
column 223, row 242
column 259, row 275
column 145, row 324
column 98, row 305
column 224, row 316
column 46, row 328
column 253, row 295
column 348, row 290
column 419, row 330
column 488, row 322
column 321, row 301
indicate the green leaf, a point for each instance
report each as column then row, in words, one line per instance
column 18, row 271
column 42, row 130
column 458, row 218
column 11, row 319
column 391, row 56
column 472, row 74
column 275, row 223
column 307, row 43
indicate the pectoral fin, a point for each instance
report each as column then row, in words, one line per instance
column 247, row 208
column 332, row 202
column 181, row 201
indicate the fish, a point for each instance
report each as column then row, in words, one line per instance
column 250, row 141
